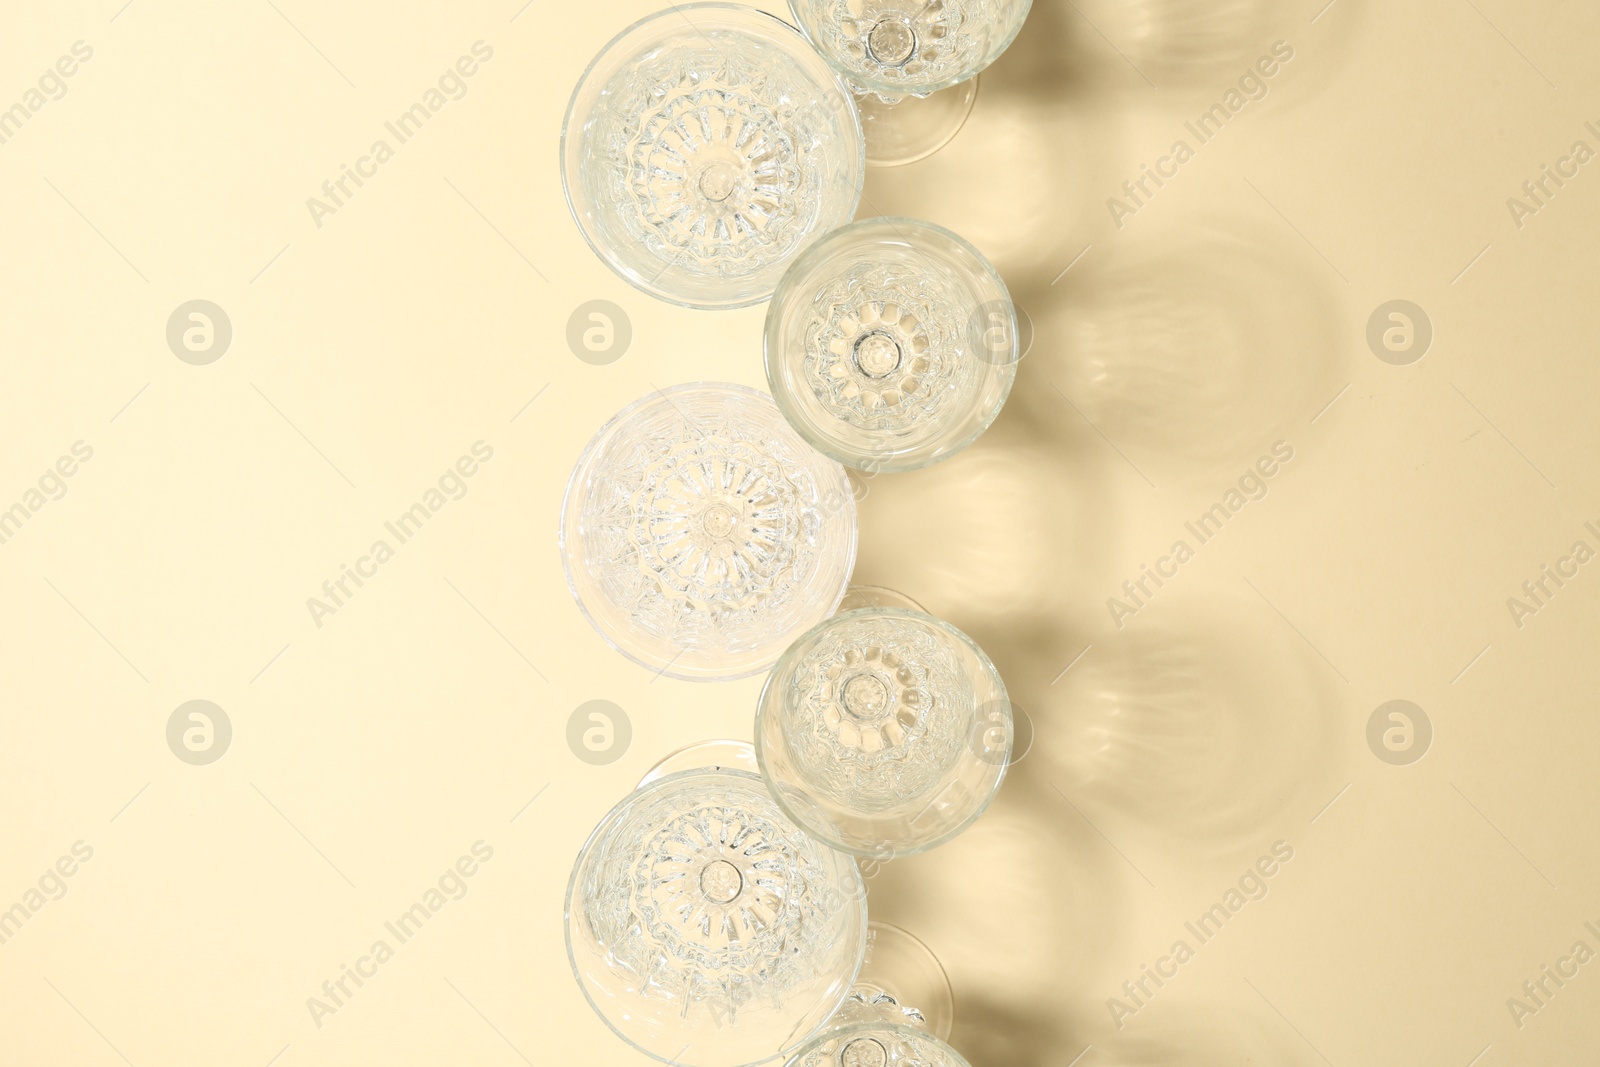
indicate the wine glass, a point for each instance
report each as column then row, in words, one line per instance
column 891, row 344
column 900, row 978
column 705, row 928
column 883, row 732
column 912, row 63
column 703, row 148
column 901, row 981
column 876, row 1043
column 701, row 535
column 876, row 1028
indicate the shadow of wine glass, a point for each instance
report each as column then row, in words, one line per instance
column 1191, row 350
column 1024, row 180
column 991, row 1032
column 1025, row 173
column 1005, row 531
column 1165, row 46
column 994, row 1032
column 1192, row 738
column 1191, row 343
column 1002, row 907
column 1186, row 42
column 1058, row 114
column 1206, row 723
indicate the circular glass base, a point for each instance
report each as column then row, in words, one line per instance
column 902, row 967
column 704, row 148
column 701, row 534
column 883, row 732
column 876, row 1043
column 748, row 933
column 722, row 754
column 914, row 127
column 876, row 596
column 890, row 344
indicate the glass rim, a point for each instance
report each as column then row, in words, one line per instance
column 808, row 51
column 890, row 462
column 820, row 833
column 584, row 852
column 567, row 498
column 854, row 78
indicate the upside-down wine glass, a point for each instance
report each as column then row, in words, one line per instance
column 883, row 732
column 706, row 928
column 891, row 344
column 869, row 1041
column 703, row 148
column 701, row 535
column 913, row 64
column 900, row 978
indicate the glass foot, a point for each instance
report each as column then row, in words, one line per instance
column 877, row 596
column 904, row 969
column 914, row 128
column 732, row 755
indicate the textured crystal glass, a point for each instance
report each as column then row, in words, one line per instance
column 701, row 535
column 876, row 1044
column 706, row 928
column 901, row 981
column 704, row 147
column 891, row 344
column 910, row 47
column 912, row 63
column 883, row 732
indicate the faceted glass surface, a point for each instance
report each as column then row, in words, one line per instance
column 906, row 47
column 706, row 928
column 891, row 344
column 883, row 731
column 701, row 535
column 704, row 148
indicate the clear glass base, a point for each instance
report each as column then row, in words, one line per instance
column 751, row 933
column 701, row 534
column 704, row 148
column 883, row 732
column 903, row 968
column 889, row 345
column 914, row 128
column 723, row 753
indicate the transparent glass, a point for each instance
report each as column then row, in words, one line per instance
column 876, row 1043
column 701, row 535
column 905, row 129
column 720, row 753
column 891, row 344
column 883, row 732
column 901, row 980
column 704, row 148
column 910, row 47
column 913, row 64
column 706, row 928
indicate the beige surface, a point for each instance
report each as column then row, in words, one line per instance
column 369, row 353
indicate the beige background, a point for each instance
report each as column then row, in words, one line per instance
column 425, row 315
